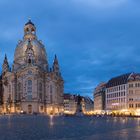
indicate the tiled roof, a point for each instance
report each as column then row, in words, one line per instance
column 134, row 77
column 119, row 80
column 88, row 100
column 100, row 86
column 68, row 96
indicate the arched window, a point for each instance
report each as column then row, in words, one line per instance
column 50, row 88
column 9, row 88
column 19, row 91
column 29, row 90
column 30, row 82
column 19, row 87
column 40, row 86
column 40, row 91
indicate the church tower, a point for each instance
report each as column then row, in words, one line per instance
column 29, row 30
column 30, row 87
column 56, row 66
column 5, row 66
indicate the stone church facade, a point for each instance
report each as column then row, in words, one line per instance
column 31, row 86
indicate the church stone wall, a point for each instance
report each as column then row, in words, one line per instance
column 30, row 86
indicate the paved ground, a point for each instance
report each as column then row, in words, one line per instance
column 68, row 128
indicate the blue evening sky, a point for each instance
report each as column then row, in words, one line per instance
column 93, row 39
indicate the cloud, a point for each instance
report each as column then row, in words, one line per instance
column 94, row 39
column 103, row 3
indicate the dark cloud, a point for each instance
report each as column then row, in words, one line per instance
column 93, row 40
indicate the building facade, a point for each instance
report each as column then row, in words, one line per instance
column 87, row 105
column 116, row 93
column 120, row 95
column 133, row 97
column 70, row 104
column 76, row 104
column 99, row 98
column 31, row 85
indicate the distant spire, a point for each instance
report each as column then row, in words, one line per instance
column 5, row 66
column 5, row 58
column 56, row 65
column 55, row 56
column 55, row 59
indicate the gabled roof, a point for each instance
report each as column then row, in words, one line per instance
column 119, row 80
column 100, row 86
column 87, row 100
column 68, row 96
column 134, row 77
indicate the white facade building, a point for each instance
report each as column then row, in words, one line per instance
column 116, row 93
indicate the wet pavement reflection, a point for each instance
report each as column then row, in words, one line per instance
column 68, row 128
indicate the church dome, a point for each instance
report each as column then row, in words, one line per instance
column 38, row 48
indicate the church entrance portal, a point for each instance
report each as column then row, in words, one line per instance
column 29, row 109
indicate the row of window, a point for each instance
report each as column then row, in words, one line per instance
column 69, row 105
column 118, row 100
column 117, row 94
column 134, row 85
column 134, row 92
column 117, row 88
column 116, row 107
column 28, row 87
column 130, row 99
column 134, row 99
column 134, row 105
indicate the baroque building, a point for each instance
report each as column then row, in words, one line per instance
column 31, row 86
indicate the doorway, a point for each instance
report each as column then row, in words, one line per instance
column 29, row 109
